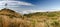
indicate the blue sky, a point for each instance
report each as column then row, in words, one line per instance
column 35, row 5
column 45, row 4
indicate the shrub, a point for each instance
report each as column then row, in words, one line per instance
column 55, row 24
column 54, row 18
column 13, row 24
column 51, row 14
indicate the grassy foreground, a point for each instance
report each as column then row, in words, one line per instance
column 10, row 18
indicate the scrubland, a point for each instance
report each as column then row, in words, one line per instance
column 10, row 18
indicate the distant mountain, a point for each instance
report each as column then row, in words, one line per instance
column 44, row 14
column 34, row 11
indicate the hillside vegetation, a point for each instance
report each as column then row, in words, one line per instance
column 10, row 18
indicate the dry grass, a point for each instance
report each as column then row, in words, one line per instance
column 14, row 22
column 9, row 18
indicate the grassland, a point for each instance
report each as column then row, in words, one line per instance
column 10, row 18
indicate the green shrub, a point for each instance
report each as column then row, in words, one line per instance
column 51, row 14
column 54, row 18
column 55, row 24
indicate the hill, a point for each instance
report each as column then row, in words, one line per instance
column 45, row 19
column 45, row 14
column 11, row 13
column 10, row 18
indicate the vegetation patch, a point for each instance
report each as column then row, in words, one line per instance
column 51, row 15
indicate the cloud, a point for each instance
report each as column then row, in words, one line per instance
column 8, row 0
column 34, row 11
column 25, row 3
column 14, row 3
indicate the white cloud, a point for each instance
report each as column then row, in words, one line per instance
column 16, row 3
column 12, row 4
column 7, row 0
column 34, row 11
column 25, row 3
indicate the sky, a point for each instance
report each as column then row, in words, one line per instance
column 30, row 6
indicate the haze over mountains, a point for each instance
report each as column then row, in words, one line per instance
column 34, row 11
